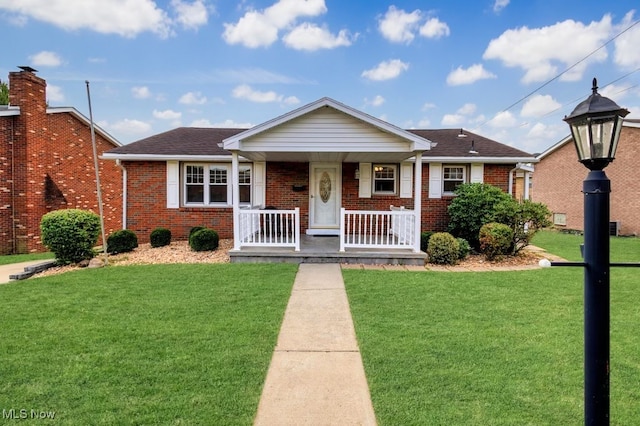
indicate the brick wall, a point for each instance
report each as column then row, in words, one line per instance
column 557, row 182
column 146, row 199
column 53, row 168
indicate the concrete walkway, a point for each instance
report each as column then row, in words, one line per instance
column 316, row 376
column 15, row 268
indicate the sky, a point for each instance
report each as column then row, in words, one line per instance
column 509, row 70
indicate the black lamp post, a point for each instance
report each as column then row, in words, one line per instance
column 595, row 126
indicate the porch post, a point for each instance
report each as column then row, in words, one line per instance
column 235, row 196
column 417, row 202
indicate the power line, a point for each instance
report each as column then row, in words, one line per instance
column 564, row 72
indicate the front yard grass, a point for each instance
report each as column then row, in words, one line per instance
column 497, row 348
column 17, row 258
column 163, row 344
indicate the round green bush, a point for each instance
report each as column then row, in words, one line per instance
column 465, row 248
column 424, row 240
column 122, row 241
column 70, row 234
column 495, row 240
column 160, row 237
column 194, row 230
column 443, row 249
column 204, row 240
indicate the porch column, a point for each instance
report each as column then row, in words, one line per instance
column 417, row 202
column 235, row 196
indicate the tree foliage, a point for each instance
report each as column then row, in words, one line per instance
column 4, row 93
column 524, row 218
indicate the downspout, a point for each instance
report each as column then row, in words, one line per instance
column 14, row 246
column 417, row 202
column 511, row 178
column 124, row 193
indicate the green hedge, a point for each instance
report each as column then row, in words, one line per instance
column 160, row 237
column 70, row 234
column 122, row 241
column 204, row 240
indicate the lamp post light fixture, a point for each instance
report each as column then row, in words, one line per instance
column 595, row 126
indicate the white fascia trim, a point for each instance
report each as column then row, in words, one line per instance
column 150, row 157
column 9, row 111
column 81, row 117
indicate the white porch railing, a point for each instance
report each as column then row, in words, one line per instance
column 269, row 228
column 377, row 229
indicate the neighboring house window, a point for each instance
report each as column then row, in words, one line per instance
column 384, row 178
column 210, row 185
column 452, row 177
column 560, row 219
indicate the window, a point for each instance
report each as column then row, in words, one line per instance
column 384, row 178
column 211, row 184
column 560, row 219
column 452, row 177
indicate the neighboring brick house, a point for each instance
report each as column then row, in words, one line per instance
column 47, row 163
column 318, row 158
column 557, row 182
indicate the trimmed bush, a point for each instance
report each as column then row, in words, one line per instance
column 443, row 249
column 70, row 234
column 465, row 248
column 424, row 240
column 495, row 240
column 204, row 240
column 160, row 237
column 194, row 230
column 122, row 241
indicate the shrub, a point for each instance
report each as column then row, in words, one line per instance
column 424, row 240
column 122, row 241
column 473, row 206
column 443, row 248
column 70, row 234
column 160, row 237
column 524, row 218
column 204, row 240
column 495, row 240
column 194, row 230
column 465, row 248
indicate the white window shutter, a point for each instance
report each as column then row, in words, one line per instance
column 364, row 190
column 258, row 181
column 477, row 173
column 406, row 180
column 173, row 184
column 435, row 180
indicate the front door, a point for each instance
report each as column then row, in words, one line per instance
column 325, row 198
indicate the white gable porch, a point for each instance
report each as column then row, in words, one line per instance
column 326, row 134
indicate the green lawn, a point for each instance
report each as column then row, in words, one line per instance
column 17, row 258
column 497, row 348
column 166, row 344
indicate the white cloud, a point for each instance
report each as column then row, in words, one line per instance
column 452, row 120
column 190, row 15
column 428, row 105
column 129, row 127
column 424, row 123
column 386, row 70
column 376, row 101
column 244, row 91
column 124, row 18
column 203, row 122
column 398, row 26
column 499, row 5
column 539, row 105
column 141, row 92
column 434, row 28
column 260, row 28
column 308, row 36
column 167, row 114
column 461, row 76
column 54, row 93
column 503, row 119
column 46, row 59
column 193, row 98
column 538, row 52
column 467, row 109
column 627, row 54
column 96, row 60
column 614, row 92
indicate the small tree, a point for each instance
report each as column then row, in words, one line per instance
column 473, row 206
column 70, row 234
column 4, row 93
column 524, row 218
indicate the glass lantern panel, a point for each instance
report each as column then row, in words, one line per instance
column 580, row 132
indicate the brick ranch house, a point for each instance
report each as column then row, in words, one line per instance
column 322, row 169
column 557, row 182
column 46, row 163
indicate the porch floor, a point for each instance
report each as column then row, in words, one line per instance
column 325, row 249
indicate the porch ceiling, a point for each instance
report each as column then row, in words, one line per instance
column 328, row 157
